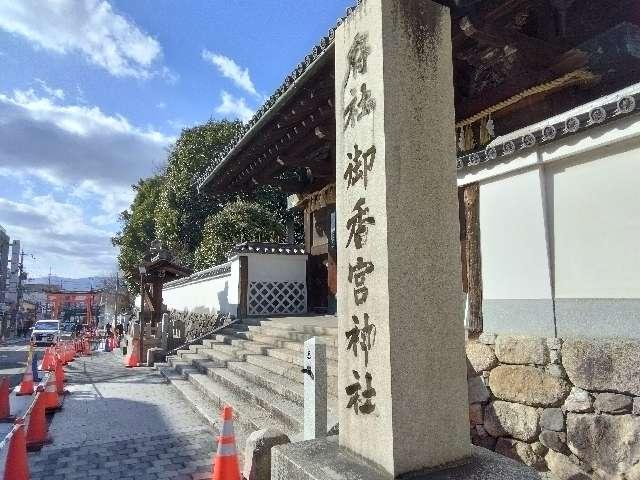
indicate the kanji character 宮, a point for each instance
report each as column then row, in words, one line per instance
column 358, row 274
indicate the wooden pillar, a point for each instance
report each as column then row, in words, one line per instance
column 473, row 257
column 244, row 287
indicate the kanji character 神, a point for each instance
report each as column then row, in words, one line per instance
column 364, row 337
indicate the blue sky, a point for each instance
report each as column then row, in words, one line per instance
column 92, row 93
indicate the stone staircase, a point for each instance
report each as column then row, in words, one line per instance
column 256, row 367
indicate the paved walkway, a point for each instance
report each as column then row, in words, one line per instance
column 119, row 423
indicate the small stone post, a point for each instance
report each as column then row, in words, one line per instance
column 402, row 387
column 315, row 389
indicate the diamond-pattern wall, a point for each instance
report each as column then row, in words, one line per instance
column 277, row 298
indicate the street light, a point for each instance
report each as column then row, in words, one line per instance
column 143, row 271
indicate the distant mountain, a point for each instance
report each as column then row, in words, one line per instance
column 71, row 284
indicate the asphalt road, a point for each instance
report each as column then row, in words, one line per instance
column 13, row 358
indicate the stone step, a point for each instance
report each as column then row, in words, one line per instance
column 260, row 336
column 297, row 358
column 247, row 413
column 314, row 330
column 276, row 342
column 290, row 335
column 289, row 370
column 281, row 408
column 285, row 387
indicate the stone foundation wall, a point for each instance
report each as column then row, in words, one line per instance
column 197, row 324
column 570, row 406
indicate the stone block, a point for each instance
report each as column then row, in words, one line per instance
column 636, row 406
column 520, row 451
column 552, row 419
column 487, row 338
column 480, row 357
column 603, row 365
column 556, row 441
column 563, row 468
column 554, row 357
column 555, row 371
column 554, row 343
column 633, row 473
column 522, row 350
column 610, row 443
column 478, row 392
column 539, row 449
column 511, row 419
column 613, row 403
column 476, row 416
column 481, row 438
column 257, row 453
column 578, row 401
column 326, row 459
column 528, row 385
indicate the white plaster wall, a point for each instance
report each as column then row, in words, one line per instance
column 595, row 213
column 219, row 294
column 290, row 268
column 513, row 241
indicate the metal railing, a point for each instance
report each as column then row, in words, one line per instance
column 187, row 344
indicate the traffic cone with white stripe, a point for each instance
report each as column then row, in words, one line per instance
column 133, row 359
column 50, row 394
column 37, row 429
column 16, row 462
column 225, row 462
column 49, row 360
column 26, row 384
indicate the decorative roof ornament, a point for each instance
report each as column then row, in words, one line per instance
column 578, row 119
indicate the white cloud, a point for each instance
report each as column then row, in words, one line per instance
column 106, row 38
column 161, row 105
column 52, row 92
column 84, row 155
column 230, row 69
column 57, row 235
column 234, row 106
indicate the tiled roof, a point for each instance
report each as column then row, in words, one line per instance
column 317, row 52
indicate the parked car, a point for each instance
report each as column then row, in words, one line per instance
column 45, row 332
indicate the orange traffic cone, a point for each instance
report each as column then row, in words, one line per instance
column 26, row 385
column 50, row 394
column 5, row 407
column 48, row 361
column 59, row 376
column 37, row 429
column 16, row 465
column 225, row 462
column 133, row 359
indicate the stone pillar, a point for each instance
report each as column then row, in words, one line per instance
column 315, row 389
column 402, row 388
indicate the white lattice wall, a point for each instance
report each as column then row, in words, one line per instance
column 277, row 298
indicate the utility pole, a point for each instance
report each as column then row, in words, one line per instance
column 115, row 303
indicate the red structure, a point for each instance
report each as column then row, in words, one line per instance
column 76, row 303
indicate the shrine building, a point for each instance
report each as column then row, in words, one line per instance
column 547, row 126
